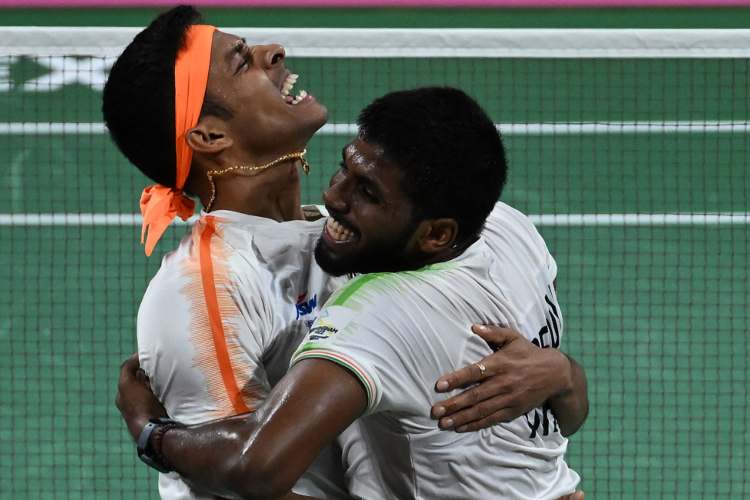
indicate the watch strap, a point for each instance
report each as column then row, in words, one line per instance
column 149, row 443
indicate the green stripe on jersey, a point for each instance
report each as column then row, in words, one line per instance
column 352, row 287
column 358, row 283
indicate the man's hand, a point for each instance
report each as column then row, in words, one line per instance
column 136, row 402
column 518, row 377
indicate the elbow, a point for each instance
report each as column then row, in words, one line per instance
column 570, row 427
column 254, row 478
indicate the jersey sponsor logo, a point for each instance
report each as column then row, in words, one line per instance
column 332, row 319
column 321, row 330
column 304, row 306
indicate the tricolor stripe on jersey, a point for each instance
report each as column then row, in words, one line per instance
column 306, row 352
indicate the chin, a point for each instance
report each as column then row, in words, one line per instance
column 331, row 263
column 319, row 118
column 306, row 133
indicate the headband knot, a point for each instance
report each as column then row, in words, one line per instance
column 159, row 206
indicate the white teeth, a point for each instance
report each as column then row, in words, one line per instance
column 302, row 95
column 288, row 84
column 337, row 231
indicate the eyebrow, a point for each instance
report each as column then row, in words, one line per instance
column 364, row 178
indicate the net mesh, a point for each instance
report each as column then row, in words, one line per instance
column 600, row 148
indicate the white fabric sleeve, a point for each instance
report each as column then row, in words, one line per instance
column 379, row 340
column 506, row 227
column 335, row 336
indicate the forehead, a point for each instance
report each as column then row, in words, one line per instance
column 224, row 39
column 223, row 45
column 363, row 152
column 369, row 162
column 223, row 57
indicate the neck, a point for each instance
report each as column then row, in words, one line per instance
column 449, row 253
column 274, row 194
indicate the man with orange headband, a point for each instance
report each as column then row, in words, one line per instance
column 220, row 320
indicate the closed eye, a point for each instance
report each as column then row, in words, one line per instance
column 369, row 193
column 244, row 51
column 244, row 64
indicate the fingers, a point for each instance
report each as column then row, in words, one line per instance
column 141, row 376
column 128, row 371
column 130, row 366
column 497, row 409
column 464, row 400
column 464, row 377
column 495, row 336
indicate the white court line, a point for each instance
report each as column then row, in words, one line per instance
column 681, row 219
column 626, row 127
column 409, row 43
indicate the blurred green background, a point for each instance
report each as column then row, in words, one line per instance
column 656, row 314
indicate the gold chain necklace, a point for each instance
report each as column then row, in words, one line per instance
column 299, row 155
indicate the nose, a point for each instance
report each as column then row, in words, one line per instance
column 272, row 55
column 335, row 197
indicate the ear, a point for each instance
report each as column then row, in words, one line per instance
column 209, row 137
column 436, row 235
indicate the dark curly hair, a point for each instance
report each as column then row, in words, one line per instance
column 449, row 150
column 138, row 98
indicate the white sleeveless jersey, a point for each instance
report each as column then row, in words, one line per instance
column 221, row 318
column 399, row 332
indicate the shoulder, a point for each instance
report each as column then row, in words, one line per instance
column 204, row 264
column 509, row 232
column 169, row 278
column 505, row 220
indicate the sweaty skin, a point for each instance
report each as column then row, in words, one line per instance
column 257, row 455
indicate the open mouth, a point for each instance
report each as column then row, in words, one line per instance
column 339, row 232
column 287, row 86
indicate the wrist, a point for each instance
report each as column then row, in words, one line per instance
column 136, row 426
column 150, row 443
column 563, row 375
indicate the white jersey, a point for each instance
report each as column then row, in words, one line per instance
column 399, row 332
column 220, row 320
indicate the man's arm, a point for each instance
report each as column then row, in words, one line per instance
column 519, row 376
column 261, row 454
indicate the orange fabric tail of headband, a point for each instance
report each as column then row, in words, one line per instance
column 161, row 204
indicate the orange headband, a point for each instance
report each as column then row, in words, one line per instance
column 160, row 204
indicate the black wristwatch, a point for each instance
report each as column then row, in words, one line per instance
column 149, row 443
